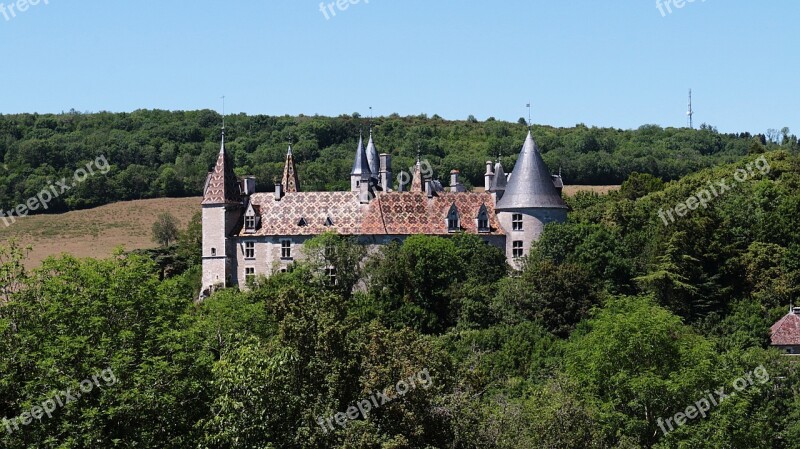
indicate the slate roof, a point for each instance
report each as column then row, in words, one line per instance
column 361, row 164
column 786, row 332
column 499, row 181
column 222, row 187
column 372, row 157
column 531, row 184
column 392, row 213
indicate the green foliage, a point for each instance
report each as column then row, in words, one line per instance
column 640, row 184
column 165, row 229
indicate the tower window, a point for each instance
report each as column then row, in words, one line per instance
column 286, row 249
column 250, row 250
column 517, row 251
column 249, row 274
column 213, row 252
column 516, row 222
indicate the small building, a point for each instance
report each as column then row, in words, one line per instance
column 785, row 334
column 247, row 233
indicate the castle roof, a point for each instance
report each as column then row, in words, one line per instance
column 221, row 184
column 531, row 184
column 392, row 213
column 372, row 156
column 499, row 181
column 786, row 332
column 290, row 181
column 361, row 164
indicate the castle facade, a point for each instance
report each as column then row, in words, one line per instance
column 248, row 233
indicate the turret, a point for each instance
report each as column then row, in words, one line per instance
column 361, row 172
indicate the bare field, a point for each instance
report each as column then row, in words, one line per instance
column 573, row 190
column 96, row 232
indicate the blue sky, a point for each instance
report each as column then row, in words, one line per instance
column 617, row 63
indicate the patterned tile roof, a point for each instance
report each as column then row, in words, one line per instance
column 786, row 332
column 393, row 213
column 290, row 181
column 222, row 187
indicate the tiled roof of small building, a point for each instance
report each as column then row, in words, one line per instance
column 393, row 213
column 786, row 332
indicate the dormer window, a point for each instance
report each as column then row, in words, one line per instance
column 453, row 222
column 302, row 222
column 251, row 219
column 328, row 222
column 250, row 223
column 483, row 219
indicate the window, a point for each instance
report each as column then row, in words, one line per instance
column 302, row 222
column 249, row 274
column 328, row 221
column 250, row 223
column 286, row 249
column 330, row 252
column 250, row 250
column 213, row 252
column 453, row 223
column 483, row 219
column 517, row 251
column 330, row 273
column 516, row 222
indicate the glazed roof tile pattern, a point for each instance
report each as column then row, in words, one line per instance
column 393, row 213
column 290, row 181
column 786, row 332
column 222, row 186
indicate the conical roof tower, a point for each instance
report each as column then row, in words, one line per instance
column 531, row 184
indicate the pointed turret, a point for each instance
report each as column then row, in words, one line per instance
column 290, row 182
column 221, row 184
column 372, row 157
column 361, row 172
column 499, row 181
column 531, row 185
column 416, row 180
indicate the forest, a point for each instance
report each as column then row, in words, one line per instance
column 618, row 323
column 154, row 153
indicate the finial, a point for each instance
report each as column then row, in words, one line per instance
column 530, row 122
column 419, row 151
column 223, row 114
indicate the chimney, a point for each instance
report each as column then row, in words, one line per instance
column 386, row 172
column 278, row 192
column 249, row 185
column 364, row 191
column 489, row 176
column 429, row 188
column 796, row 310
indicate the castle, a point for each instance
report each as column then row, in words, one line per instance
column 246, row 233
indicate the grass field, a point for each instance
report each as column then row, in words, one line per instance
column 96, row 232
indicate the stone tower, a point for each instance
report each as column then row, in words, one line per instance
column 530, row 201
column 222, row 208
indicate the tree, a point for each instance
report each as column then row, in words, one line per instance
column 165, row 229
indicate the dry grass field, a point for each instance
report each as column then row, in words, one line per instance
column 96, row 232
column 572, row 190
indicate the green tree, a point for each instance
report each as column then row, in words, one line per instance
column 165, row 229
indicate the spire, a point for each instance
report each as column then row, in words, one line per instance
column 361, row 164
column 372, row 156
column 499, row 181
column 290, row 181
column 416, row 180
column 221, row 184
column 531, row 185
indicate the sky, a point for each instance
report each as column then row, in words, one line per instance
column 612, row 63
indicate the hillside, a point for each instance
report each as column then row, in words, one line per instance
column 96, row 232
